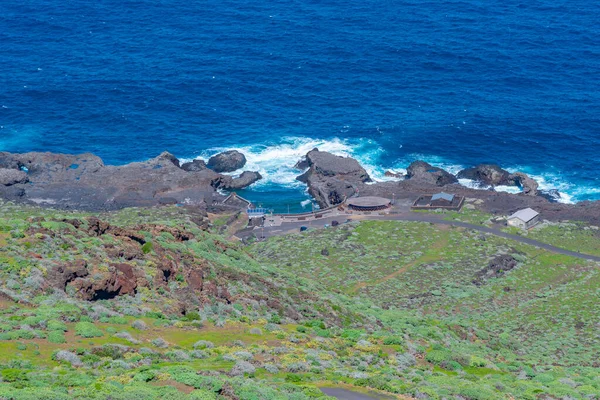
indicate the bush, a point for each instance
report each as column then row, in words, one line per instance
column 242, row 368
column 352, row 334
column 139, row 324
column 202, row 395
column 127, row 336
column 198, row 354
column 293, row 378
column 438, row 356
column 87, row 330
column 203, row 344
column 392, row 340
column 160, row 342
column 297, row 367
column 56, row 337
column 271, row 368
column 178, row 355
column 244, row 355
column 147, row 247
column 13, row 375
column 67, row 356
column 192, row 316
column 255, row 331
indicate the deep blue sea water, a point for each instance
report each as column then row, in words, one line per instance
column 453, row 82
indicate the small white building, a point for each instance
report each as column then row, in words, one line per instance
column 524, row 219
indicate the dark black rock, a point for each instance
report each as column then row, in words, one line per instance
column 194, row 166
column 332, row 178
column 426, row 173
column 552, row 195
column 246, row 179
column 227, row 161
column 487, row 174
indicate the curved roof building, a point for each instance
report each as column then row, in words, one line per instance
column 368, row 203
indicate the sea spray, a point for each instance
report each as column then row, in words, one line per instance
column 276, row 162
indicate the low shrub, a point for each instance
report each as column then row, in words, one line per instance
column 67, row 356
column 87, row 330
column 139, row 324
column 160, row 342
column 242, row 368
column 203, row 344
column 56, row 337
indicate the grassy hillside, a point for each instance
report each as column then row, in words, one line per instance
column 521, row 309
column 155, row 304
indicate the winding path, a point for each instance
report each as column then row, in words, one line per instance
column 291, row 227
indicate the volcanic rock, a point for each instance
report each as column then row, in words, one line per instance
column 332, row 178
column 495, row 268
column 194, row 166
column 426, row 173
column 165, row 155
column 227, row 161
column 246, row 179
column 64, row 274
column 487, row 174
column 552, row 195
column 391, row 174
column 84, row 182
column 527, row 184
column 120, row 280
column 10, row 177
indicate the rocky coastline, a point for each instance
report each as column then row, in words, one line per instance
column 84, row 182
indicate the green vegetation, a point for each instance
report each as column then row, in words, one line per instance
column 409, row 309
column 569, row 235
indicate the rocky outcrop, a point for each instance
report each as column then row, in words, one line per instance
column 118, row 281
column 426, row 173
column 391, row 174
column 496, row 268
column 528, row 185
column 62, row 275
column 10, row 177
column 246, row 179
column 332, row 178
column 493, row 175
column 84, row 182
column 194, row 166
column 487, row 175
column 227, row 161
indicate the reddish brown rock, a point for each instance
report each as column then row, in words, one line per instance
column 119, row 281
column 62, row 275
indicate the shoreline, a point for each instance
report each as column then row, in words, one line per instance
column 83, row 182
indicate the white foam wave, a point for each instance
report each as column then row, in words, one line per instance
column 275, row 162
column 305, row 203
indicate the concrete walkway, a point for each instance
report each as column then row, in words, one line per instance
column 294, row 227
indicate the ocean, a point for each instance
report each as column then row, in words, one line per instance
column 455, row 83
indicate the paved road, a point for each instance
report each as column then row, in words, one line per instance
column 294, row 227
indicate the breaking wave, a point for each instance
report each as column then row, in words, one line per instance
column 276, row 163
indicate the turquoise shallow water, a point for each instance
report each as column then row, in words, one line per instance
column 453, row 82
